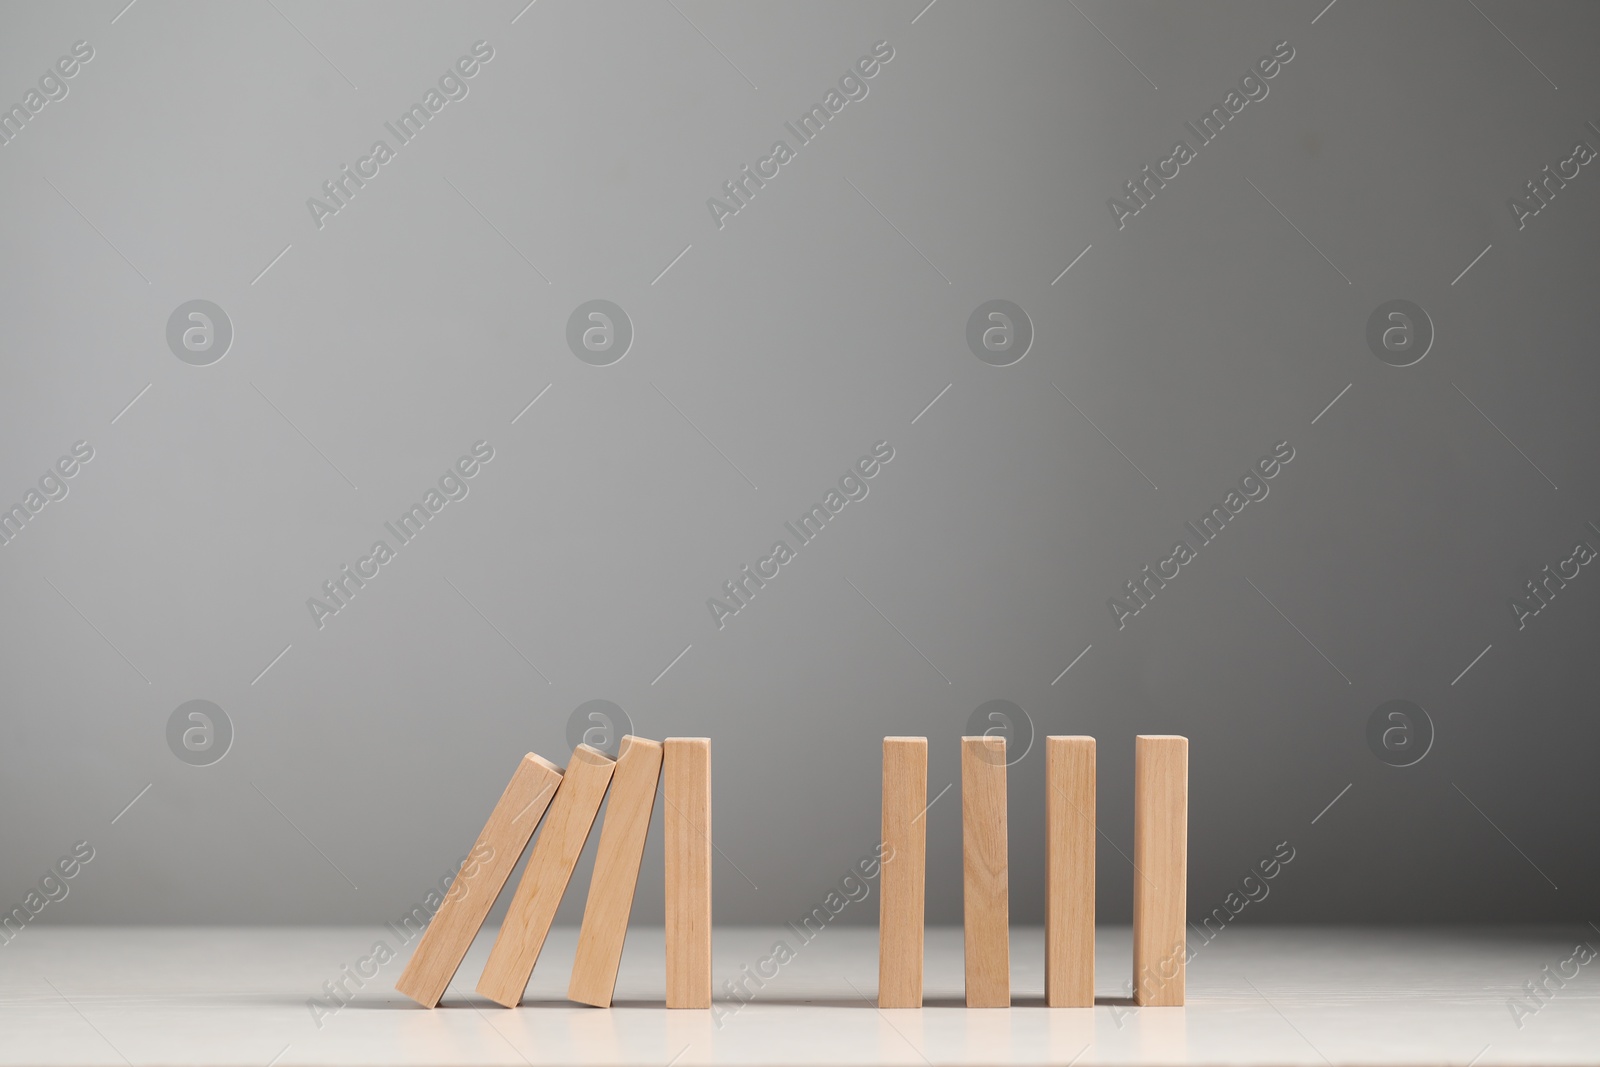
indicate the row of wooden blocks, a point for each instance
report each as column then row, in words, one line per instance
column 682, row 765
column 1160, row 863
column 567, row 802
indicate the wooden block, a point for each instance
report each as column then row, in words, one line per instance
column 1069, row 820
column 533, row 906
column 686, row 788
column 1161, row 862
column 616, row 872
column 444, row 944
column 903, row 873
column 985, row 874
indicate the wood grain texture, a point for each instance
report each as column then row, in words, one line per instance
column 616, row 872
column 533, row 906
column 686, row 789
column 445, row 942
column 985, row 875
column 903, row 873
column 1161, row 865
column 1069, row 820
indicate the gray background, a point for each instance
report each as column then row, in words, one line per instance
column 821, row 319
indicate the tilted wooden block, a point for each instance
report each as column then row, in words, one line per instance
column 686, row 789
column 444, row 944
column 902, row 876
column 533, row 906
column 1160, row 860
column 616, row 872
column 1069, row 786
column 985, row 872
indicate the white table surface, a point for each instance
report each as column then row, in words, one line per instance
column 225, row 996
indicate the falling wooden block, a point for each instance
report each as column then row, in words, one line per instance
column 1069, row 819
column 1160, row 860
column 533, row 906
column 985, row 875
column 904, row 856
column 444, row 944
column 616, row 872
column 686, row 788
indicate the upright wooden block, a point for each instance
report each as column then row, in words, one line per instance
column 985, row 873
column 1069, row 820
column 480, row 880
column 686, row 788
column 533, row 906
column 1161, row 862
column 616, row 872
column 902, row 876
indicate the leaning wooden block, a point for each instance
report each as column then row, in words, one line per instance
column 533, row 906
column 445, row 942
column 1069, row 819
column 904, row 856
column 686, row 788
column 1160, row 860
column 985, row 873
column 616, row 872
